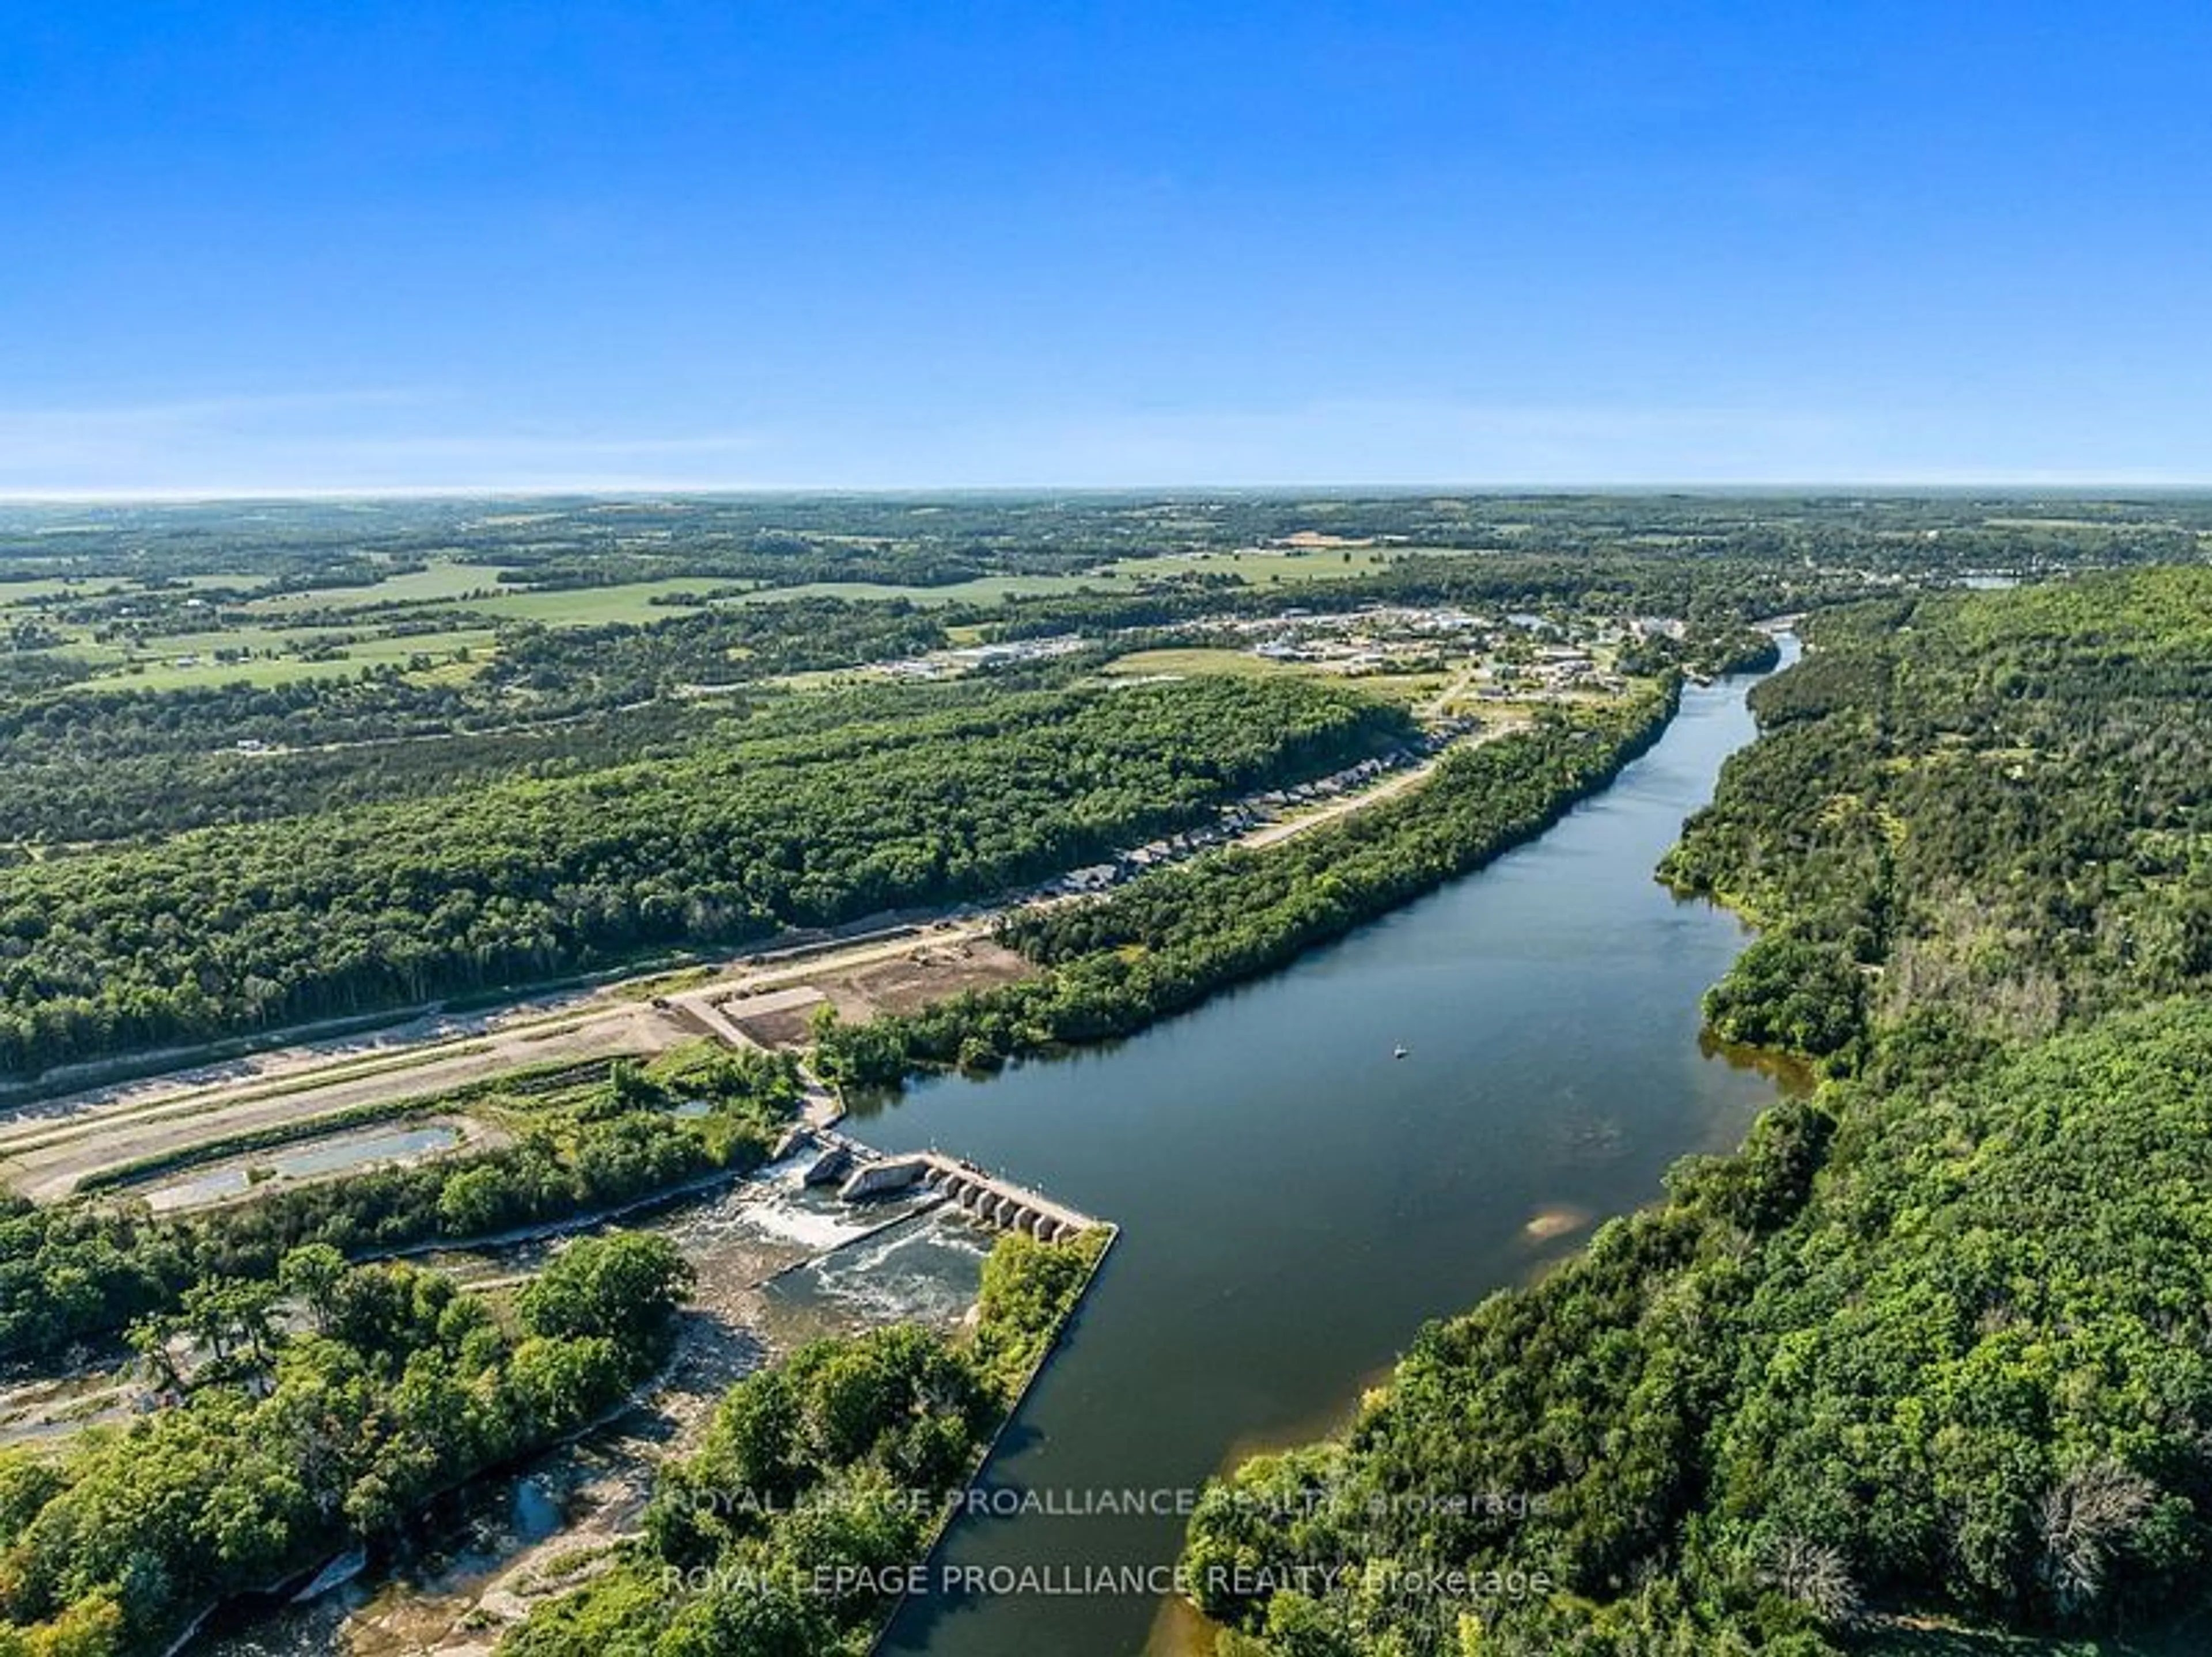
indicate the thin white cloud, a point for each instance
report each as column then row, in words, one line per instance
column 337, row 441
column 1420, row 443
column 540, row 451
column 419, row 441
column 1409, row 442
column 18, row 424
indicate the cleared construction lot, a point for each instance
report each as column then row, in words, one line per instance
column 48, row 1150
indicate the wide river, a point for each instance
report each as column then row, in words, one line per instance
column 1296, row 1200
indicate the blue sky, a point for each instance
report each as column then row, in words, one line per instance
column 348, row 246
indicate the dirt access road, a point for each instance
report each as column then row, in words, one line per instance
column 46, row 1150
column 1398, row 782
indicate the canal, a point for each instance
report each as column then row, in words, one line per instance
column 1296, row 1198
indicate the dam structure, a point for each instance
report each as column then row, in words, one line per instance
column 861, row 1173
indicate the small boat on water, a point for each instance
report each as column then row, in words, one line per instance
column 1399, row 1051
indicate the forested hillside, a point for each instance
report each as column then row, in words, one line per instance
column 1935, row 1344
column 245, row 928
column 2000, row 802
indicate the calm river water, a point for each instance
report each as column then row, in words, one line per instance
column 1295, row 1201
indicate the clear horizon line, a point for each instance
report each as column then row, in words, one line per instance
column 604, row 490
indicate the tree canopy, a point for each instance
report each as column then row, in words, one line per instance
column 1934, row 1342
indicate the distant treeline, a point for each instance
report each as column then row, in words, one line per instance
column 95, row 764
column 538, row 675
column 306, row 546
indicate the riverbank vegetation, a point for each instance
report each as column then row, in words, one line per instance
column 820, row 1482
column 81, row 1272
column 1168, row 938
column 292, row 1442
column 231, row 931
column 1931, row 1350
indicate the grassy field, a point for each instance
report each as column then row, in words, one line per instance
column 1241, row 664
column 477, row 589
column 988, row 589
column 439, row 582
column 161, row 670
column 468, row 601
column 1256, row 568
column 402, row 649
column 17, row 593
column 1412, row 689
column 1252, row 568
column 468, row 598
column 592, row 606
column 156, row 674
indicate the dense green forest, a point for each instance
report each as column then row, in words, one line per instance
column 1934, row 1344
column 1998, row 802
column 1171, row 937
column 69, row 795
column 231, row 931
column 79, row 1272
column 296, row 1439
column 819, row 1482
